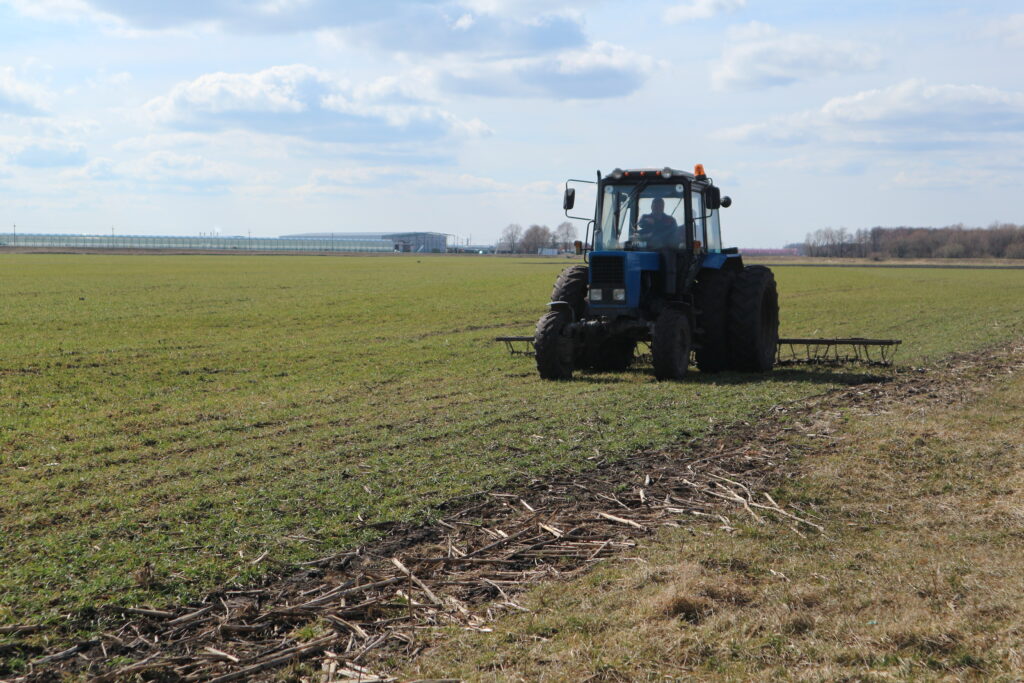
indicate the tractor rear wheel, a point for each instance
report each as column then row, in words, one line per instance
column 753, row 320
column 712, row 299
column 571, row 287
column 554, row 351
column 670, row 345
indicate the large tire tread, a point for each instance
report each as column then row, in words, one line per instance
column 711, row 297
column 670, row 345
column 753, row 320
column 554, row 354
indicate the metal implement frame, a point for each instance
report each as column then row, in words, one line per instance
column 836, row 351
column 512, row 342
column 814, row 351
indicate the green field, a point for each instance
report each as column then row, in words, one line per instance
column 192, row 414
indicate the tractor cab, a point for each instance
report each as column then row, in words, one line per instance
column 648, row 210
column 652, row 231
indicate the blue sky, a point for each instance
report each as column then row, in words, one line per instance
column 462, row 116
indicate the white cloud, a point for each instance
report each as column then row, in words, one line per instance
column 600, row 71
column 353, row 176
column 758, row 56
column 431, row 31
column 468, row 183
column 99, row 169
column 931, row 177
column 278, row 89
column 172, row 167
column 819, row 164
column 1010, row 29
column 525, row 8
column 172, row 171
column 910, row 115
column 243, row 144
column 306, row 102
column 701, row 9
column 41, row 152
column 119, row 78
column 53, row 10
column 416, row 26
column 21, row 98
column 364, row 179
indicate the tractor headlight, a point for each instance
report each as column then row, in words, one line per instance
column 595, row 295
column 619, row 294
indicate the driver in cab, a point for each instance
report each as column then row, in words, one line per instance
column 657, row 228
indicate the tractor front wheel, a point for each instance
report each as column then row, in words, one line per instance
column 554, row 351
column 753, row 320
column 571, row 287
column 670, row 345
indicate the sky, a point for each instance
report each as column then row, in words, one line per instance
column 274, row 117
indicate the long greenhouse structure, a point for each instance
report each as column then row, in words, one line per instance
column 339, row 243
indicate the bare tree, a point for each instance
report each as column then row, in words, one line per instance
column 535, row 238
column 999, row 240
column 565, row 235
column 511, row 237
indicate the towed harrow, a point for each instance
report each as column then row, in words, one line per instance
column 830, row 351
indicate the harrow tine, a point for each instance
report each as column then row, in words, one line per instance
column 837, row 351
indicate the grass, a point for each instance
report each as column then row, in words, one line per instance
column 169, row 424
column 920, row 575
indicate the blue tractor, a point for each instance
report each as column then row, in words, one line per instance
column 657, row 273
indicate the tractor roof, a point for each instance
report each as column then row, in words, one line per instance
column 649, row 174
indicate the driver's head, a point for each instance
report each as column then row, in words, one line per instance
column 658, row 205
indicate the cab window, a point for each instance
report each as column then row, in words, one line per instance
column 714, row 235
column 698, row 215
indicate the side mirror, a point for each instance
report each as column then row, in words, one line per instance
column 726, row 202
column 579, row 247
column 569, row 200
column 713, row 198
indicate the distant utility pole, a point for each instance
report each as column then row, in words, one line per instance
column 15, row 234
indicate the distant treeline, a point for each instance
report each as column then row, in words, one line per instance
column 999, row 240
column 515, row 240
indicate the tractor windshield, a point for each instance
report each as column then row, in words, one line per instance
column 641, row 216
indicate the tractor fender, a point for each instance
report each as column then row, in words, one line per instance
column 717, row 261
column 563, row 306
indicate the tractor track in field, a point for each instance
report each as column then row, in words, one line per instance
column 346, row 614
